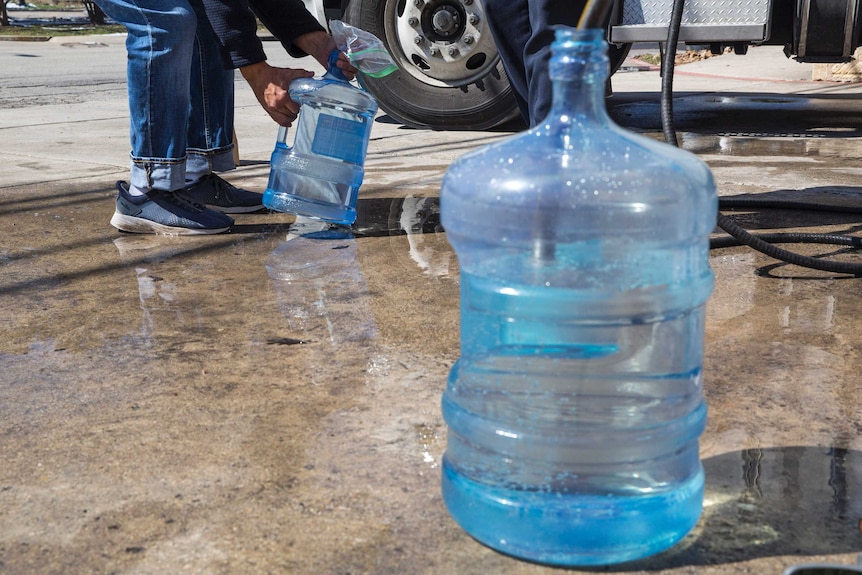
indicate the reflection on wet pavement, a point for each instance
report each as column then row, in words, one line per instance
column 826, row 143
column 756, row 498
column 761, row 115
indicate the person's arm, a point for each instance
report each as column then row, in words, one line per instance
column 300, row 34
column 288, row 20
column 235, row 24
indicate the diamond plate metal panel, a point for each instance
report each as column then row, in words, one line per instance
column 696, row 12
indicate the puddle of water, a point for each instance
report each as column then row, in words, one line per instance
column 815, row 143
column 397, row 216
column 794, row 498
column 417, row 217
column 320, row 288
column 772, row 502
column 750, row 116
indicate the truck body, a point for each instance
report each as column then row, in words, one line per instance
column 450, row 76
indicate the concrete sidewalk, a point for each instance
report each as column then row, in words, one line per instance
column 44, row 139
column 187, row 405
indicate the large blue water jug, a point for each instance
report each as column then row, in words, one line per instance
column 319, row 176
column 575, row 408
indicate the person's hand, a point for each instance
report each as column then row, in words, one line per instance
column 346, row 66
column 319, row 45
column 270, row 85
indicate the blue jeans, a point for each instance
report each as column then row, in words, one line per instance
column 180, row 94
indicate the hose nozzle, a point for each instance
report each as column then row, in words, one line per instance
column 595, row 14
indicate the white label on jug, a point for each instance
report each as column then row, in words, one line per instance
column 340, row 138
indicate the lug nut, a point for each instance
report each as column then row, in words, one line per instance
column 413, row 21
column 453, row 50
column 417, row 40
column 468, row 39
column 474, row 19
column 445, row 22
column 434, row 51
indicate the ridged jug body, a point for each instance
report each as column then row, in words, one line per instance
column 575, row 407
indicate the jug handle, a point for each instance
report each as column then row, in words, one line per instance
column 282, row 135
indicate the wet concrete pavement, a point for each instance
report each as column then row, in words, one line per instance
column 258, row 402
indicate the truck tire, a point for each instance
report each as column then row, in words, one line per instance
column 449, row 74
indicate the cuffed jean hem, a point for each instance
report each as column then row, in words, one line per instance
column 158, row 173
column 217, row 160
column 170, row 174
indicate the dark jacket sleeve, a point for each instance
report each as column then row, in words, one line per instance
column 235, row 24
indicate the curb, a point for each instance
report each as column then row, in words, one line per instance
column 637, row 65
column 25, row 38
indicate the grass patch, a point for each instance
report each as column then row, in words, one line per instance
column 60, row 30
column 654, row 59
column 681, row 58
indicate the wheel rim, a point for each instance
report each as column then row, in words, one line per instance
column 443, row 43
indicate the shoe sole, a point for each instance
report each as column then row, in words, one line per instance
column 236, row 209
column 135, row 225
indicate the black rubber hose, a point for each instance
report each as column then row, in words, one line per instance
column 759, row 244
column 737, row 202
column 667, row 66
column 790, row 238
column 742, row 236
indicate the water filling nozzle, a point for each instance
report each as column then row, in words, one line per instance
column 595, row 13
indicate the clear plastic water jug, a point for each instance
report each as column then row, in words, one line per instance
column 319, row 176
column 575, row 408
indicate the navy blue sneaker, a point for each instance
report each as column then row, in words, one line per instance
column 166, row 213
column 220, row 195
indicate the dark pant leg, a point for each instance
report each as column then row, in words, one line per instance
column 523, row 31
column 509, row 22
column 544, row 16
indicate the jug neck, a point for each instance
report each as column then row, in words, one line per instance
column 333, row 72
column 579, row 71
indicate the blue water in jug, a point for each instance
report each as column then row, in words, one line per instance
column 575, row 408
column 319, row 176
